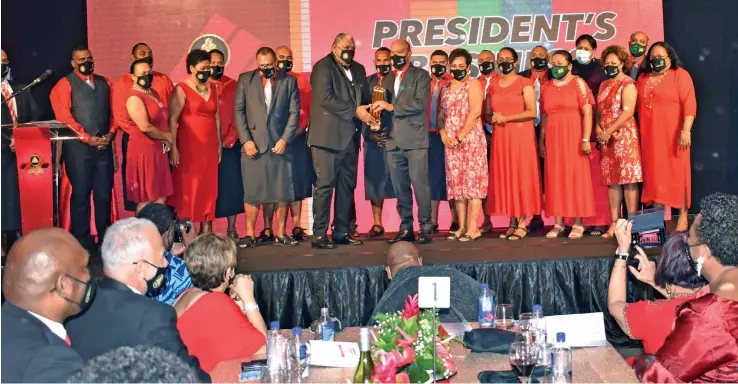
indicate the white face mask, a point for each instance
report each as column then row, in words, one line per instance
column 583, row 56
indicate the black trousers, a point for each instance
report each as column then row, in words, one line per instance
column 334, row 170
column 409, row 172
column 90, row 172
column 127, row 204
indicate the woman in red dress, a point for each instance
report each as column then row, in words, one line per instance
column 214, row 326
column 460, row 126
column 148, row 175
column 617, row 133
column 666, row 110
column 566, row 124
column 703, row 346
column 195, row 127
column 651, row 320
column 515, row 180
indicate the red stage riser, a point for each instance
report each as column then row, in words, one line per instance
column 35, row 177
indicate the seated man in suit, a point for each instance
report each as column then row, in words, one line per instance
column 404, row 266
column 45, row 281
column 139, row 364
column 122, row 315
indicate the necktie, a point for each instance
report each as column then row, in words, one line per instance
column 434, row 106
column 90, row 82
column 634, row 71
column 67, row 340
column 268, row 95
column 398, row 79
column 11, row 103
column 537, row 86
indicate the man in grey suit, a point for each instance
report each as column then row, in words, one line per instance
column 266, row 111
column 407, row 141
column 340, row 103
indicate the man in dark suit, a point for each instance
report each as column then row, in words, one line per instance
column 407, row 141
column 122, row 315
column 340, row 103
column 45, row 281
column 266, row 110
column 21, row 109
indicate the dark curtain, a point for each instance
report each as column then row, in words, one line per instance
column 561, row 286
column 39, row 35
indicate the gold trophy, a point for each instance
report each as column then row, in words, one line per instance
column 378, row 94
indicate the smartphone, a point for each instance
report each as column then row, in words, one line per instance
column 251, row 370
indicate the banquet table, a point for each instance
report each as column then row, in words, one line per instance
column 590, row 365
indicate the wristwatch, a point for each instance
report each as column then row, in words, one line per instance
column 621, row 255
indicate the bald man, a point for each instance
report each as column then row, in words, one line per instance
column 341, row 101
column 407, row 141
column 638, row 45
column 45, row 281
column 400, row 255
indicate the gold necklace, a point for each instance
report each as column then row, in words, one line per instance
column 202, row 91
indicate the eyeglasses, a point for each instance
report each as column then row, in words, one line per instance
column 689, row 252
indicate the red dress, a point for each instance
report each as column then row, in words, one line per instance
column 214, row 329
column 568, row 184
column 147, row 174
column 662, row 107
column 467, row 174
column 703, row 347
column 195, row 179
column 621, row 156
column 515, row 180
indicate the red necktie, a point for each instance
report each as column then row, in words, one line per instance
column 67, row 340
column 11, row 102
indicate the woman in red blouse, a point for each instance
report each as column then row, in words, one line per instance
column 214, row 326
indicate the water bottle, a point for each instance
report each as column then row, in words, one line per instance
column 561, row 361
column 275, row 354
column 539, row 324
column 325, row 325
column 298, row 353
column 486, row 307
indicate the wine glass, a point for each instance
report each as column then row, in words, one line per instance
column 527, row 327
column 504, row 316
column 523, row 358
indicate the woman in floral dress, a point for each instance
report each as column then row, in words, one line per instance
column 466, row 152
column 617, row 133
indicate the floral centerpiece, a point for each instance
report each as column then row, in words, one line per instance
column 403, row 346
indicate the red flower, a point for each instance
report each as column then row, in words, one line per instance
column 411, row 307
column 405, row 341
column 386, row 370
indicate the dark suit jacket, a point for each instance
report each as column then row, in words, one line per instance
column 333, row 122
column 250, row 115
column 409, row 128
column 464, row 292
column 32, row 353
column 526, row 73
column 120, row 317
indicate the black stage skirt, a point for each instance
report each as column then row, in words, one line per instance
column 303, row 173
column 230, row 184
column 377, row 182
column 437, row 167
column 267, row 178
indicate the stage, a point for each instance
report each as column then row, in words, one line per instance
column 566, row 276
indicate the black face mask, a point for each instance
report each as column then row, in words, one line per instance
column 458, row 74
column 438, row 69
column 202, row 76
column 285, row 65
column 347, row 55
column 506, row 67
column 268, row 73
column 657, row 64
column 150, row 60
column 145, row 81
column 5, row 70
column 539, row 63
column 87, row 296
column 156, row 283
column 611, row 71
column 86, row 68
column 487, row 67
column 217, row 72
column 383, row 69
column 399, row 61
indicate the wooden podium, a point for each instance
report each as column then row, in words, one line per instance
column 37, row 145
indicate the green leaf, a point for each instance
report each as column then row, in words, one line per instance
column 417, row 374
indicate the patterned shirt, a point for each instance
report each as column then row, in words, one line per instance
column 177, row 280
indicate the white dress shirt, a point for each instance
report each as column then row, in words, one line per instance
column 398, row 80
column 348, row 73
column 136, row 291
column 57, row 328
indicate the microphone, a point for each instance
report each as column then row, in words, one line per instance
column 39, row 79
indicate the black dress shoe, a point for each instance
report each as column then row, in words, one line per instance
column 285, row 240
column 425, row 237
column 454, row 227
column 265, row 238
column 321, row 242
column 404, row 235
column 299, row 234
column 346, row 239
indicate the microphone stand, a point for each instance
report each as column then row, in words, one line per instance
column 19, row 92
